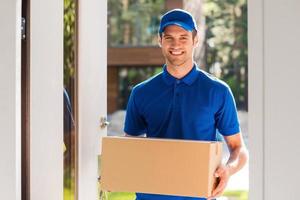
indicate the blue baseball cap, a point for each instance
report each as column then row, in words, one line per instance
column 178, row 17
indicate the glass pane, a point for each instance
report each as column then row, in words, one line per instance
column 69, row 100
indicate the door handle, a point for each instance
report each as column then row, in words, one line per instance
column 103, row 122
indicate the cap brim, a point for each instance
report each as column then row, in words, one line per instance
column 177, row 23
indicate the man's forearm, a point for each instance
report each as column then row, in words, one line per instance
column 238, row 158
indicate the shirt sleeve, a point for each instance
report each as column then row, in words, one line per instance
column 134, row 122
column 226, row 117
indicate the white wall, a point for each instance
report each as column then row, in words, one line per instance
column 10, row 100
column 46, row 100
column 274, row 48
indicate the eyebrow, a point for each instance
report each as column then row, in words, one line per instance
column 168, row 35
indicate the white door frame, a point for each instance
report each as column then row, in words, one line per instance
column 274, row 47
column 92, row 64
column 256, row 98
column 46, row 99
column 10, row 99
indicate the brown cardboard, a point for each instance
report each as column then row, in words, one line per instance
column 159, row 166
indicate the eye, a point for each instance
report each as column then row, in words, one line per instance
column 184, row 38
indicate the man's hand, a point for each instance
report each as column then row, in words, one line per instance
column 223, row 173
column 237, row 159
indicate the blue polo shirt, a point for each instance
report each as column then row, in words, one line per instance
column 192, row 107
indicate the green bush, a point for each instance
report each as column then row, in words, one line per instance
column 236, row 194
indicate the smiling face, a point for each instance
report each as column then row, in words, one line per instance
column 177, row 46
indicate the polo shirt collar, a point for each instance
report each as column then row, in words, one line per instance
column 188, row 79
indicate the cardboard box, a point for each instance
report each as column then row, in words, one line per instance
column 159, row 166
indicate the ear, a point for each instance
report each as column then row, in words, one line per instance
column 159, row 40
column 196, row 40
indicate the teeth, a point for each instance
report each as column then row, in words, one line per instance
column 176, row 52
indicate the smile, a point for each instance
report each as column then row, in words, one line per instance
column 176, row 53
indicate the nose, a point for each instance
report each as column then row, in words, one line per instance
column 175, row 43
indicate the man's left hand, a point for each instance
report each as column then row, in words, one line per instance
column 223, row 173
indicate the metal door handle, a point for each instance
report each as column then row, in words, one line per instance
column 103, row 122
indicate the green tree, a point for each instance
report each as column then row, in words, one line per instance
column 226, row 52
column 134, row 22
column 69, row 40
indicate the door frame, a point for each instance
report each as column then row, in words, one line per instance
column 256, row 102
column 46, row 99
column 10, row 99
column 25, row 102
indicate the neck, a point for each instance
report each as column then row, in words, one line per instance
column 180, row 71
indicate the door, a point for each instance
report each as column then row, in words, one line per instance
column 44, row 144
column 91, row 93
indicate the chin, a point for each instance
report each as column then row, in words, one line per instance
column 177, row 62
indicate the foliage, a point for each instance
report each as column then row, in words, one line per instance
column 68, row 182
column 68, row 194
column 121, row 195
column 69, row 66
column 238, row 195
column 134, row 22
column 69, row 40
column 226, row 53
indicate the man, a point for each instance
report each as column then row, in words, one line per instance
column 184, row 102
